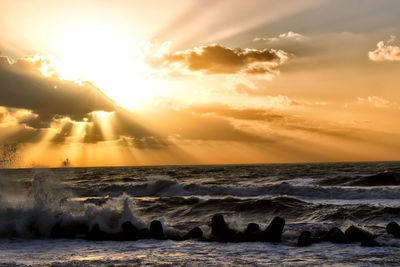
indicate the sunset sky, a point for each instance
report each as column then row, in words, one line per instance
column 199, row 82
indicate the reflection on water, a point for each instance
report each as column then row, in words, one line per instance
column 190, row 253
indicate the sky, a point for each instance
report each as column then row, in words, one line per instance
column 112, row 83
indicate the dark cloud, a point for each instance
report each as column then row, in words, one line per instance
column 123, row 126
column 216, row 59
column 48, row 100
column 144, row 142
column 21, row 134
column 64, row 133
column 24, row 87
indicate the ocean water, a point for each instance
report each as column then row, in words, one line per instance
column 312, row 197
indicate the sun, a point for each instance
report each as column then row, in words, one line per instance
column 102, row 55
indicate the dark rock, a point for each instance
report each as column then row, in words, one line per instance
column 69, row 230
column 219, row 226
column 355, row 234
column 394, row 229
column 252, row 228
column 253, row 233
column 335, row 235
column 156, row 230
column 220, row 230
column 304, row 239
column 143, row 234
column 129, row 231
column 369, row 242
column 195, row 233
column 97, row 234
column 273, row 233
column 175, row 237
column 240, row 237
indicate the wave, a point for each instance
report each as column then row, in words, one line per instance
column 51, row 201
column 386, row 178
column 171, row 187
column 180, row 214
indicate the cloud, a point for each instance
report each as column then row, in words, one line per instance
column 23, row 86
column 121, row 127
column 32, row 105
column 218, row 122
column 376, row 102
column 288, row 36
column 240, row 114
column 385, row 52
column 198, row 123
column 217, row 59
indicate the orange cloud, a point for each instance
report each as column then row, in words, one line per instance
column 23, row 86
column 217, row 59
column 385, row 52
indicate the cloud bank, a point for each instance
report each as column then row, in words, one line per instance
column 32, row 105
column 23, row 86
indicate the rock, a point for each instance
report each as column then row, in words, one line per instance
column 129, row 231
column 219, row 226
column 156, row 230
column 304, row 239
column 70, row 230
column 335, row 235
column 252, row 228
column 97, row 234
column 220, row 230
column 369, row 242
column 273, row 233
column 394, row 229
column 253, row 233
column 355, row 234
column 195, row 233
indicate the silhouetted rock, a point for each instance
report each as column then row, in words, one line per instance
column 335, row 235
column 394, row 229
column 129, row 231
column 369, row 242
column 273, row 233
column 252, row 228
column 218, row 225
column 220, row 230
column 304, row 239
column 355, row 234
column 195, row 233
column 69, row 230
column 156, row 230
column 97, row 234
column 253, row 233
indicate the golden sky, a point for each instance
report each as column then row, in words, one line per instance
column 198, row 82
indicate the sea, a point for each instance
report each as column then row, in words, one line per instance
column 312, row 196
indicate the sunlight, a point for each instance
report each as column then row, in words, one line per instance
column 103, row 118
column 101, row 55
